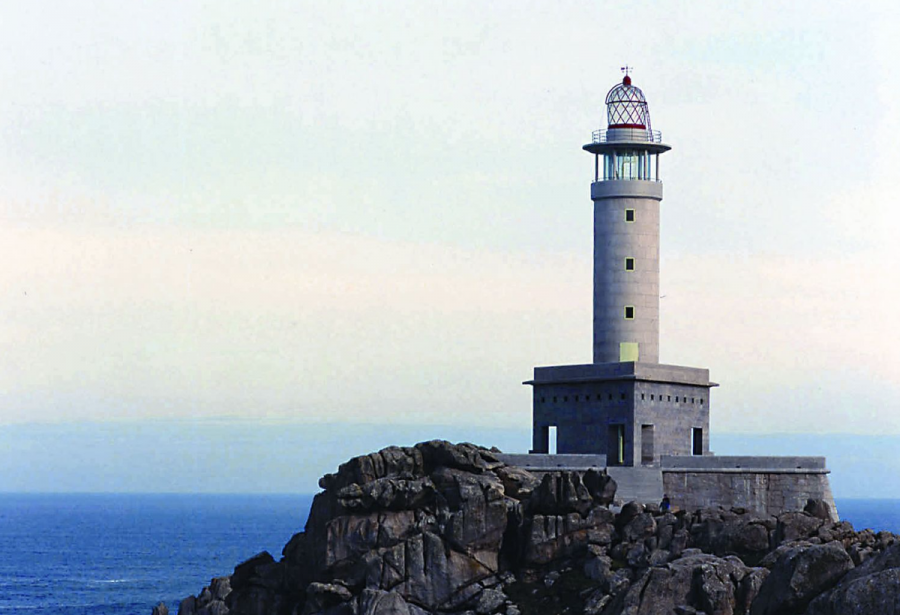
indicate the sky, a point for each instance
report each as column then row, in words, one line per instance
column 342, row 213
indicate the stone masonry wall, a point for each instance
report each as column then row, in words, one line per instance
column 765, row 491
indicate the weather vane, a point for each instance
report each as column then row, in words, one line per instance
column 627, row 68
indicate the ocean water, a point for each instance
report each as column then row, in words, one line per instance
column 103, row 554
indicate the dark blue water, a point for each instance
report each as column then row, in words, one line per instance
column 99, row 554
column 103, row 554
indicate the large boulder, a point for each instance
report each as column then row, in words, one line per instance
column 732, row 532
column 799, row 575
column 877, row 593
column 874, row 585
column 697, row 583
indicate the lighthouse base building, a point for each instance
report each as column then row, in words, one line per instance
column 646, row 423
column 632, row 413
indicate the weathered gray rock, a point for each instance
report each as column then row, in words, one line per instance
column 517, row 483
column 387, row 494
column 450, row 529
column 560, row 494
column 489, row 601
column 641, row 527
column 601, row 486
column 378, row 602
column 160, row 609
column 724, row 532
column 550, row 537
column 877, row 593
column 188, row 606
column 216, row 607
column 797, row 526
column 799, row 575
column 818, row 509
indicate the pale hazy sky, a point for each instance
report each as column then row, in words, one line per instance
column 347, row 211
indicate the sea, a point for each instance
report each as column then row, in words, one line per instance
column 99, row 554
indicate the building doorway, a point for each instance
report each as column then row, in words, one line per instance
column 646, row 444
column 615, row 446
column 696, row 441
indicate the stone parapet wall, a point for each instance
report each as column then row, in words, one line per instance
column 719, row 463
column 769, row 492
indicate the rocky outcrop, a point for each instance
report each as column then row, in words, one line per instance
column 443, row 528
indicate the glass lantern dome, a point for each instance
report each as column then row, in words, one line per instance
column 626, row 107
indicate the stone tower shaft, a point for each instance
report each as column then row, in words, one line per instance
column 626, row 192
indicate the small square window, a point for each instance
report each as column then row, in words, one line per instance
column 692, row 400
column 554, row 399
column 629, row 264
column 599, row 396
column 622, row 396
column 652, row 397
column 701, row 401
column 610, row 397
column 676, row 400
column 642, row 396
column 629, row 215
column 543, row 399
column 670, row 397
column 629, row 312
column 565, row 398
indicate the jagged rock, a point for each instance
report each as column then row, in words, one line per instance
column 328, row 598
column 561, row 493
column 220, row 587
column 387, row 494
column 659, row 557
column 799, row 575
column 252, row 569
column 489, row 601
column 549, row 537
column 601, row 486
column 723, row 532
column 378, row 602
column 394, row 461
column 216, row 607
column 517, row 483
column 629, row 511
column 796, row 526
column 818, row 508
column 874, row 593
column 598, row 568
column 160, row 609
column 701, row 582
column 188, row 606
column 476, row 510
column 466, row 457
column 450, row 529
column 434, row 573
column 642, row 526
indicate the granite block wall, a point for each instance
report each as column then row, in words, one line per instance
column 766, row 491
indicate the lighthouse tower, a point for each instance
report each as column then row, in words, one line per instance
column 626, row 192
column 624, row 404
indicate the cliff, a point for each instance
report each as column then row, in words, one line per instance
column 443, row 528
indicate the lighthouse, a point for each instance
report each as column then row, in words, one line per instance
column 645, row 423
column 624, row 405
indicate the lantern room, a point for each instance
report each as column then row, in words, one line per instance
column 626, row 107
column 628, row 148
